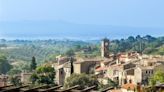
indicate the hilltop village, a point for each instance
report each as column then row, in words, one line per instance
column 130, row 71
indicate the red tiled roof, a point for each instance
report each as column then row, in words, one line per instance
column 2, row 84
column 129, row 86
column 101, row 68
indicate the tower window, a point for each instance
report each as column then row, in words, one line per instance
column 61, row 72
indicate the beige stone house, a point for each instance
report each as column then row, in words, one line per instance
column 63, row 68
column 85, row 66
column 63, row 71
column 25, row 77
column 142, row 74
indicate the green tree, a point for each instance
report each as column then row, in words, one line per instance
column 158, row 77
column 43, row 75
column 26, row 67
column 70, row 52
column 78, row 47
column 112, row 83
column 34, row 78
column 15, row 80
column 131, row 39
column 72, row 67
column 14, row 72
column 33, row 64
column 83, row 80
column 4, row 65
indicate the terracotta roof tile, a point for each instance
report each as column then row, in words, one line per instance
column 129, row 86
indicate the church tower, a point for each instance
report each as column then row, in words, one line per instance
column 105, row 48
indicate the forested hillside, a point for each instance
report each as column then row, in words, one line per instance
column 47, row 49
column 145, row 45
column 19, row 53
column 41, row 49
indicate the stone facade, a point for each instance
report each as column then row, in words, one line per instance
column 25, row 77
column 63, row 72
column 105, row 48
column 3, row 80
column 85, row 66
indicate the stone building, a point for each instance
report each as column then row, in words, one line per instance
column 63, row 72
column 132, row 72
column 25, row 77
column 3, row 80
column 63, row 69
column 85, row 66
column 142, row 74
column 105, row 48
column 115, row 72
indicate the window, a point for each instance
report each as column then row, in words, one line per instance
column 61, row 72
column 115, row 72
column 130, row 81
column 125, row 81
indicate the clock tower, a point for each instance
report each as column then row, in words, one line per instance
column 105, row 48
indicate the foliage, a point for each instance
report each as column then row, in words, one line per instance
column 15, row 80
column 52, row 57
column 110, row 83
column 102, row 86
column 83, row 80
column 4, row 65
column 43, row 75
column 23, row 50
column 14, row 71
column 34, row 78
column 33, row 63
column 146, row 44
column 47, row 50
column 70, row 53
column 158, row 77
column 25, row 67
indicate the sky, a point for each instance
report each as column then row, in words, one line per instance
column 80, row 18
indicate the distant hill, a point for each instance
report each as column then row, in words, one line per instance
column 146, row 45
column 62, row 30
column 20, row 52
column 46, row 49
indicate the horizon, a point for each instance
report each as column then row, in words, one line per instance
column 70, row 38
column 73, row 19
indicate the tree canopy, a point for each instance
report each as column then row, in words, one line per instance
column 15, row 80
column 83, row 80
column 146, row 44
column 33, row 63
column 4, row 65
column 70, row 52
column 14, row 71
column 158, row 77
column 43, row 75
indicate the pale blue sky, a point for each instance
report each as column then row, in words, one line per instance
column 29, row 17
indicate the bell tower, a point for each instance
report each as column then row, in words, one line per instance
column 105, row 48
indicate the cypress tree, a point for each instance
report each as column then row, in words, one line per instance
column 33, row 63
